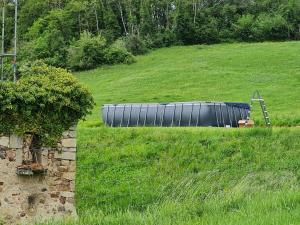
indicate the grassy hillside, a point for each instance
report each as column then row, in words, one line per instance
column 227, row 72
column 190, row 176
column 203, row 176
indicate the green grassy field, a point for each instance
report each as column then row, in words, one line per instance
column 226, row 72
column 166, row 176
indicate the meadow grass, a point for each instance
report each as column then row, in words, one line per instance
column 188, row 176
column 224, row 72
column 162, row 176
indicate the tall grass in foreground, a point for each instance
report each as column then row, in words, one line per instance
column 268, row 208
column 188, row 176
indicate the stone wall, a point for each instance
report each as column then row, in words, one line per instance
column 50, row 195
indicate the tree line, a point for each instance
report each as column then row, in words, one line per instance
column 59, row 31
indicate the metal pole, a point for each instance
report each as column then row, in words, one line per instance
column 15, row 41
column 3, row 40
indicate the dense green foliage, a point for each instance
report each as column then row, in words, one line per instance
column 45, row 102
column 117, row 53
column 48, row 28
column 89, row 52
column 187, row 176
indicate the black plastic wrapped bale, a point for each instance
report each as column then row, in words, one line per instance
column 206, row 114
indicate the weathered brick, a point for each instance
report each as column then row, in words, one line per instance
column 69, row 176
column 67, row 194
column 69, row 149
column 62, row 168
column 15, row 142
column 72, row 134
column 4, row 141
column 65, row 162
column 69, row 156
column 68, row 143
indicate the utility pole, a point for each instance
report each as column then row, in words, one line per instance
column 3, row 40
column 15, row 41
column 14, row 54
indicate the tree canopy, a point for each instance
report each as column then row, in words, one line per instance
column 48, row 28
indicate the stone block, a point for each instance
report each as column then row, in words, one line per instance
column 19, row 156
column 65, row 162
column 62, row 200
column 58, row 155
column 62, row 168
column 2, row 153
column 69, row 156
column 63, row 187
column 72, row 186
column 11, row 155
column 72, row 134
column 65, row 134
column 73, row 128
column 72, row 167
column 67, row 194
column 4, row 141
column 71, row 200
column 15, row 142
column 65, row 155
column 54, row 194
column 69, row 176
column 69, row 149
column 68, row 143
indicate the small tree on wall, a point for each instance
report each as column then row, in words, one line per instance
column 40, row 106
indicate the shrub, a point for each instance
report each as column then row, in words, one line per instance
column 87, row 53
column 164, row 38
column 32, row 67
column 7, row 69
column 135, row 45
column 43, row 104
column 47, row 40
column 270, row 27
column 243, row 28
column 117, row 53
column 208, row 33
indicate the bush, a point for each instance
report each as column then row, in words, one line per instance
column 7, row 69
column 47, row 39
column 243, row 28
column 208, row 33
column 135, row 45
column 164, row 38
column 32, row 67
column 87, row 53
column 117, row 53
column 270, row 27
column 44, row 104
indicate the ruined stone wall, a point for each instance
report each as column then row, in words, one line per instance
column 50, row 195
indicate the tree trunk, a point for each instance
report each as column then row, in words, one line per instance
column 97, row 21
column 79, row 23
column 27, row 154
column 195, row 11
column 122, row 18
column 167, row 15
